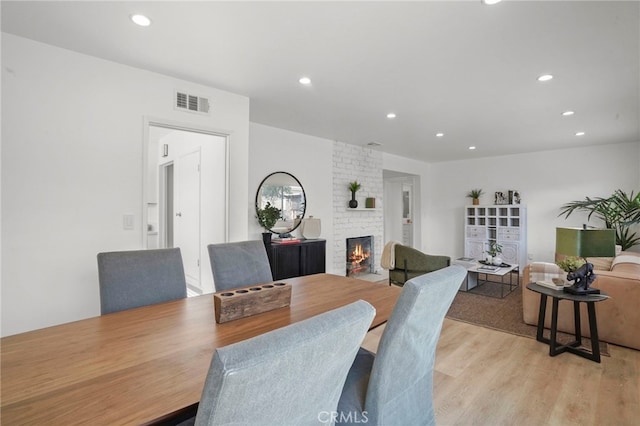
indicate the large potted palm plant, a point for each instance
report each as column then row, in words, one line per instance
column 620, row 211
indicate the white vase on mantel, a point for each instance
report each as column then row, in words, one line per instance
column 489, row 259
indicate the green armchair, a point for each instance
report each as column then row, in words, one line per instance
column 410, row 263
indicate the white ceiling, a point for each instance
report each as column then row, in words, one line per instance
column 461, row 68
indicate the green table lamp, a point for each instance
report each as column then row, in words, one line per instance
column 584, row 242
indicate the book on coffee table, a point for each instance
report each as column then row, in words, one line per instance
column 551, row 284
column 488, row 268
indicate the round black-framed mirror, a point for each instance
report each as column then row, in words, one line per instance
column 285, row 192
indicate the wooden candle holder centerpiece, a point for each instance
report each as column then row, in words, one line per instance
column 251, row 300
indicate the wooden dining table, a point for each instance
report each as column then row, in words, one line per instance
column 141, row 365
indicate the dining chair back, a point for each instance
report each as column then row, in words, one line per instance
column 239, row 264
column 395, row 386
column 290, row 376
column 130, row 279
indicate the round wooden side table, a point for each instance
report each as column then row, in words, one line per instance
column 555, row 348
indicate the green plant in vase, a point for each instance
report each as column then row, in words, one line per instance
column 354, row 187
column 267, row 218
column 492, row 253
column 475, row 194
column 570, row 263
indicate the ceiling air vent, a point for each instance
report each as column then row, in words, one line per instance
column 193, row 103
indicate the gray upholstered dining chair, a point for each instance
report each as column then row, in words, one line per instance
column 239, row 264
column 130, row 279
column 395, row 386
column 290, row 376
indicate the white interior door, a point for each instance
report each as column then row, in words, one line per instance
column 186, row 233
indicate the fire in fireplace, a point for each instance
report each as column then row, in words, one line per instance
column 359, row 256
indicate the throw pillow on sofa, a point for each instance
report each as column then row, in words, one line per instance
column 628, row 262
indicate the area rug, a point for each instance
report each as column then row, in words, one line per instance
column 502, row 315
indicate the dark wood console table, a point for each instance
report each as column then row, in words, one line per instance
column 297, row 259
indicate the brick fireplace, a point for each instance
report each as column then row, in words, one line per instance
column 351, row 163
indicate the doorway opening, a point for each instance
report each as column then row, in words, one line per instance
column 402, row 208
column 186, row 196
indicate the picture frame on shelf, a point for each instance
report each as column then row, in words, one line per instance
column 500, row 198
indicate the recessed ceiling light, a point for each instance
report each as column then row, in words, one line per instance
column 439, row 135
column 545, row 77
column 305, row 80
column 579, row 133
column 472, row 147
column 567, row 113
column 141, row 20
column 491, row 2
column 391, row 115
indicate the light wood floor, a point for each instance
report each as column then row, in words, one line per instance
column 487, row 377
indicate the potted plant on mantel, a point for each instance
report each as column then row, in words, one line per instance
column 354, row 187
column 267, row 218
column 475, row 194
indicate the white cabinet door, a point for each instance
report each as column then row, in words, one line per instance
column 474, row 249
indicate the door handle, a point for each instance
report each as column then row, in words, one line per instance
column 179, row 214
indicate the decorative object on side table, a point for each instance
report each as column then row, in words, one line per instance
column 267, row 218
column 583, row 242
column 354, row 187
column 475, row 194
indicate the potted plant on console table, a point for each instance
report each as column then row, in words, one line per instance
column 267, row 218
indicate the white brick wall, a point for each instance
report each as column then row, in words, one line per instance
column 351, row 162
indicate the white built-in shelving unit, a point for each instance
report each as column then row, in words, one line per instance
column 504, row 224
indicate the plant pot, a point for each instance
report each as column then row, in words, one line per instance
column 353, row 203
column 476, row 201
column 266, row 238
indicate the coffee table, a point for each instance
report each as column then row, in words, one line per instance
column 475, row 272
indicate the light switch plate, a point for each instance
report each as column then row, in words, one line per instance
column 127, row 221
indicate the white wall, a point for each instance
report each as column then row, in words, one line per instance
column 306, row 157
column 72, row 166
column 392, row 210
column 546, row 181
